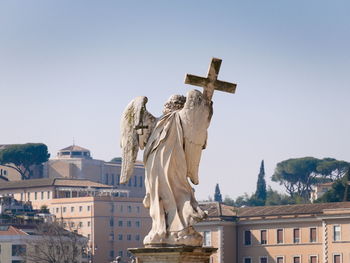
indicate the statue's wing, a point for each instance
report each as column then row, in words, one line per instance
column 136, row 126
column 195, row 119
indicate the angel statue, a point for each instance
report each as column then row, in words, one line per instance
column 173, row 145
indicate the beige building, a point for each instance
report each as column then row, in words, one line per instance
column 310, row 233
column 111, row 219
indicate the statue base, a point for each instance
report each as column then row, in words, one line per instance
column 183, row 254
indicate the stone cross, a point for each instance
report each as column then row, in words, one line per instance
column 211, row 82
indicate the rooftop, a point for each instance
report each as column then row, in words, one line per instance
column 51, row 182
column 6, row 230
column 74, row 148
column 225, row 212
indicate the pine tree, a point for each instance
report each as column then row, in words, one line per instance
column 260, row 192
column 217, row 195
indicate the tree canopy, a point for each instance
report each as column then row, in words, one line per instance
column 260, row 193
column 298, row 175
column 22, row 157
column 217, row 195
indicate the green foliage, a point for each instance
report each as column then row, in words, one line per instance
column 116, row 160
column 260, row 193
column 339, row 191
column 217, row 195
column 22, row 157
column 300, row 174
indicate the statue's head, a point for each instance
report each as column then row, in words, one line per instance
column 175, row 102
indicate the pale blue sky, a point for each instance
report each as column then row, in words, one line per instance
column 68, row 69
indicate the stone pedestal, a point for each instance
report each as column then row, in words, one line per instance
column 184, row 254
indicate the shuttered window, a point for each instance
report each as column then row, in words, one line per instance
column 247, row 238
column 313, row 259
column 279, row 236
column 296, row 235
column 336, row 233
column 313, row 234
column 279, row 260
column 263, row 237
column 336, row 259
column 296, row 259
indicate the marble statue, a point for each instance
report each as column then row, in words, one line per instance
column 172, row 146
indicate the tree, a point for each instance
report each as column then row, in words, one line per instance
column 23, row 157
column 299, row 175
column 116, row 160
column 260, row 193
column 54, row 244
column 217, row 195
column 339, row 191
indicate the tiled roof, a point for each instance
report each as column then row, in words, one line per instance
column 74, row 148
column 219, row 210
column 289, row 209
column 11, row 231
column 51, row 182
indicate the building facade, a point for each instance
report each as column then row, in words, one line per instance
column 110, row 219
column 311, row 233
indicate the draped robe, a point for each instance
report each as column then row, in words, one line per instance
column 171, row 156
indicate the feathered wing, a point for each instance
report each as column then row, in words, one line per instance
column 136, row 126
column 195, row 119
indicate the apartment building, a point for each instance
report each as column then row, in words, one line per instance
column 111, row 219
column 310, row 233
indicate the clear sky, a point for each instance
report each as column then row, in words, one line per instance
column 69, row 68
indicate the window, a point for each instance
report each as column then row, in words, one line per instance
column 129, row 184
column 137, row 237
column 111, row 236
column 263, row 237
column 89, row 236
column 129, row 209
column 80, row 208
column 128, row 223
column 207, row 238
column 336, row 258
column 128, row 237
column 138, row 209
column 72, row 209
column 88, row 223
column 279, row 259
column 120, row 223
column 296, row 259
column 247, row 238
column 120, row 253
column 112, row 178
column 336, row 233
column 247, row 260
column 64, row 209
column 111, row 253
column 88, row 208
column 18, row 250
column 111, row 221
column 137, row 224
column 112, row 208
column 48, row 194
column 296, row 235
column 135, row 181
column 313, row 259
column 120, row 237
column 263, row 259
column 35, row 195
column 279, row 236
column 118, row 179
column 28, row 196
column 72, row 224
column 80, row 224
column 313, row 234
column 42, row 195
